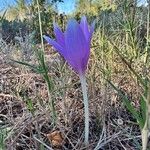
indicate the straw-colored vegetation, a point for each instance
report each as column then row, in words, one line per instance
column 41, row 104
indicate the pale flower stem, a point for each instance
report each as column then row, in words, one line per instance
column 144, row 133
column 86, row 107
column 146, row 127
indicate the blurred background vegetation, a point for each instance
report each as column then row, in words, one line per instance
column 22, row 18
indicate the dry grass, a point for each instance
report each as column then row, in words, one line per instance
column 111, row 126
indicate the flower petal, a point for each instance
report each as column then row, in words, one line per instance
column 77, row 48
column 56, row 45
column 84, row 27
column 59, row 35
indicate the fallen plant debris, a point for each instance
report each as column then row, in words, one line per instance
column 55, row 138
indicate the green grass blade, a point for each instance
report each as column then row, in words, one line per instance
column 127, row 64
column 129, row 106
column 143, row 108
column 38, row 69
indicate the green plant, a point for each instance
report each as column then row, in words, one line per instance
column 42, row 69
column 142, row 115
column 3, row 135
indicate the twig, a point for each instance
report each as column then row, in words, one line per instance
column 49, row 148
column 110, row 138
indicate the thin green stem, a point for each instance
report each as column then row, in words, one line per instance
column 52, row 104
column 40, row 24
column 44, row 67
column 147, row 34
column 86, row 107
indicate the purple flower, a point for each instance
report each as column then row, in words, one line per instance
column 74, row 43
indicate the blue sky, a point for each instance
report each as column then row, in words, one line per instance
column 142, row 2
column 5, row 3
column 67, row 6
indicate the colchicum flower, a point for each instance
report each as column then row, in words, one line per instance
column 74, row 46
column 74, row 43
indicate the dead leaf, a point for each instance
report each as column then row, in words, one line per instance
column 55, row 138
